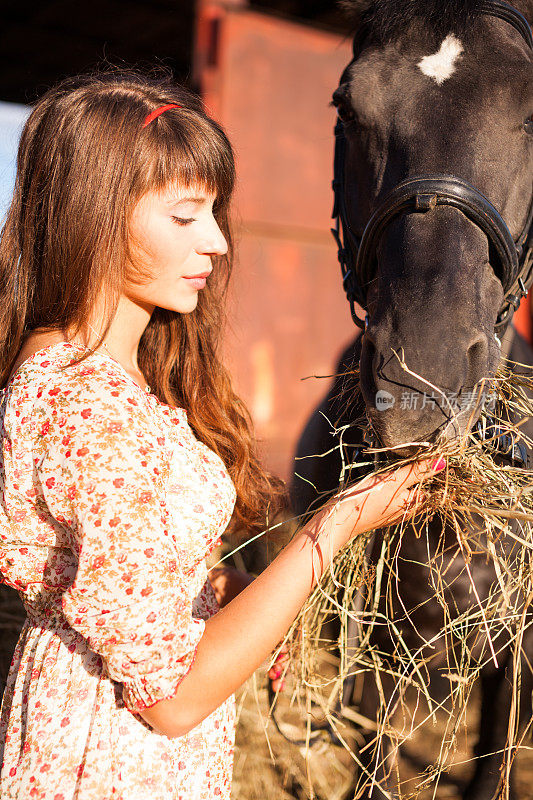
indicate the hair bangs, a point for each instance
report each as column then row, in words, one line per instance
column 188, row 150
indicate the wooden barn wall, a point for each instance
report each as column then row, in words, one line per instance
column 269, row 82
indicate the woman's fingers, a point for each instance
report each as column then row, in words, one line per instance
column 418, row 471
column 279, row 668
column 378, row 500
column 405, row 476
column 395, row 479
column 280, row 663
column 405, row 505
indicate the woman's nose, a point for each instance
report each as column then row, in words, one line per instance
column 213, row 243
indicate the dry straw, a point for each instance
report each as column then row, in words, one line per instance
column 486, row 504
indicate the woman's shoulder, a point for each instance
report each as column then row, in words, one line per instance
column 51, row 381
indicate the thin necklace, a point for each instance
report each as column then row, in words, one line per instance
column 147, row 389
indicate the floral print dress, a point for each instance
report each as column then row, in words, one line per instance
column 109, row 508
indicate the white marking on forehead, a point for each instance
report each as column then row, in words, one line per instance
column 442, row 64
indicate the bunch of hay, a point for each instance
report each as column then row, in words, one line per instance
column 487, row 502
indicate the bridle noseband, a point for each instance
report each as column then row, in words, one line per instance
column 422, row 193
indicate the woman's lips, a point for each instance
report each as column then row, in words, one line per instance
column 196, row 283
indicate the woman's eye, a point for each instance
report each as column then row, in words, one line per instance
column 182, row 221
column 528, row 124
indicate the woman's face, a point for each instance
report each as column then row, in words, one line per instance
column 173, row 235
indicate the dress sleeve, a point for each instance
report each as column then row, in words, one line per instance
column 102, row 461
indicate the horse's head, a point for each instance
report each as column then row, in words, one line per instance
column 435, row 89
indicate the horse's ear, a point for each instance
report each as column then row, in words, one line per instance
column 354, row 9
column 357, row 13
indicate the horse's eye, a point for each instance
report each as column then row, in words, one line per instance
column 528, row 124
column 342, row 102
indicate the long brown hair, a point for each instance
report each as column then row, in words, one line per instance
column 84, row 161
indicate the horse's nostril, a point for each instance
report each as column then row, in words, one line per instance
column 476, row 361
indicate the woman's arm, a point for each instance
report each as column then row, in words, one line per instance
column 238, row 638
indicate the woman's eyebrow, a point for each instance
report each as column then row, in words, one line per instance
column 178, row 200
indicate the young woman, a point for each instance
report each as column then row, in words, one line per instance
column 125, row 453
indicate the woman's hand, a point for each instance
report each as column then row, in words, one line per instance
column 279, row 669
column 374, row 502
column 227, row 583
column 392, row 495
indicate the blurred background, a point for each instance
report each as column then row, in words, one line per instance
column 266, row 70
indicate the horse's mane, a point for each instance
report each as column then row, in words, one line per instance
column 387, row 19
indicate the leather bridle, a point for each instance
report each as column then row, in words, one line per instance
column 513, row 260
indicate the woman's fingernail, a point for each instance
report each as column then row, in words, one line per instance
column 438, row 465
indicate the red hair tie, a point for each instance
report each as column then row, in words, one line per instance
column 158, row 111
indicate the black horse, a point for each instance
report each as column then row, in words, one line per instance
column 433, row 186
